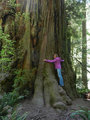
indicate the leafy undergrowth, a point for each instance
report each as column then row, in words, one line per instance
column 83, row 93
column 82, row 114
column 14, row 116
column 24, row 82
column 7, row 107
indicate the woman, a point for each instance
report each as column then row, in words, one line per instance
column 57, row 61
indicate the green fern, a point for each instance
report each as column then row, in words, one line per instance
column 7, row 52
column 15, row 116
column 83, row 113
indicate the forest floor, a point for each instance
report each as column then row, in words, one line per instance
column 44, row 113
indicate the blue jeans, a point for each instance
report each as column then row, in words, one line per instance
column 60, row 77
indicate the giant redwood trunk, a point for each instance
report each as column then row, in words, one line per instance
column 45, row 35
column 47, row 92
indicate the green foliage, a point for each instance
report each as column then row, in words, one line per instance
column 2, row 112
column 74, row 10
column 83, row 90
column 24, row 81
column 84, row 113
column 7, row 52
column 15, row 116
column 12, row 4
column 11, row 98
column 8, row 100
column 75, row 14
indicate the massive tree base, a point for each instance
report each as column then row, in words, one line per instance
column 48, row 92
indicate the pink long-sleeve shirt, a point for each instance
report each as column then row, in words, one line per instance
column 57, row 62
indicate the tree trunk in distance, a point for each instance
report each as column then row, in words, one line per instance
column 84, row 48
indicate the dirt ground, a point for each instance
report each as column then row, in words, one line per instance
column 44, row 113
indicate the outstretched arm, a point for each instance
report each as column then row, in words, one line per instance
column 62, row 60
column 50, row 61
